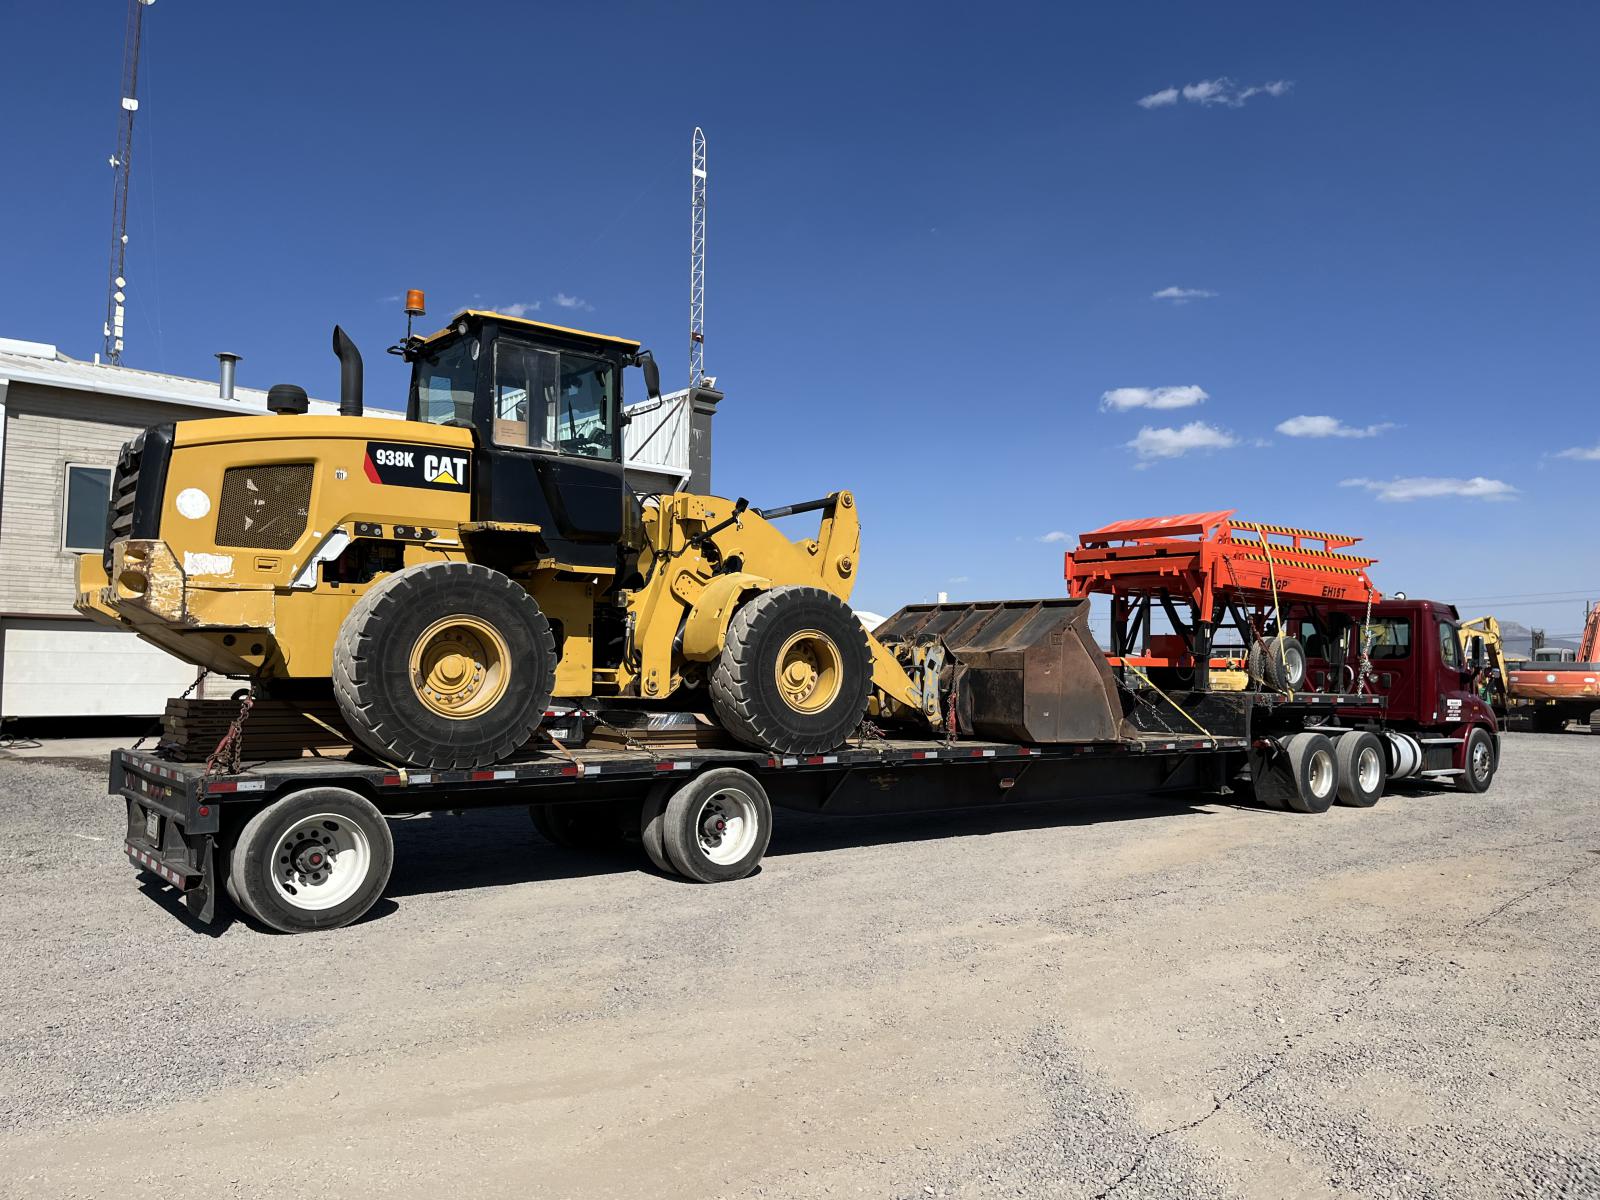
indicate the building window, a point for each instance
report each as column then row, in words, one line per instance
column 83, row 527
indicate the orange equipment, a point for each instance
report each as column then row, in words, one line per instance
column 1248, row 573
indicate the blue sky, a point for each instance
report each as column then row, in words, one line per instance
column 938, row 237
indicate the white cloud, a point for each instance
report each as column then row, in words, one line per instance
column 1429, row 487
column 1150, row 444
column 1055, row 535
column 389, row 299
column 1159, row 99
column 1324, row 427
column 1180, row 295
column 960, row 579
column 1208, row 92
column 566, row 301
column 1124, row 398
column 521, row 309
column 1582, row 453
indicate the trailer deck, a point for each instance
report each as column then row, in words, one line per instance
column 182, row 821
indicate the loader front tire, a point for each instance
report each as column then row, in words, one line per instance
column 444, row 665
column 794, row 673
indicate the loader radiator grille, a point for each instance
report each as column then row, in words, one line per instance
column 264, row 508
column 134, row 507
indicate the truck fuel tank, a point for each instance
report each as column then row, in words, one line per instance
column 1021, row 670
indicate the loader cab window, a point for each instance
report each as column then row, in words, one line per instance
column 554, row 401
column 442, row 385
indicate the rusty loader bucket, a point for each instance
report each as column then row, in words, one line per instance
column 1021, row 670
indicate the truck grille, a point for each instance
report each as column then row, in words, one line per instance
column 264, row 508
column 134, row 507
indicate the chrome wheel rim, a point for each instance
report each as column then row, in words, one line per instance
column 1320, row 777
column 1369, row 769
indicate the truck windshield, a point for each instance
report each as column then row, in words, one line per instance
column 1391, row 637
column 442, row 384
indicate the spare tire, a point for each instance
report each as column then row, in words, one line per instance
column 1278, row 663
column 444, row 665
column 794, row 673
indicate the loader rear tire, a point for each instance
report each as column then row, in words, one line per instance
column 444, row 665
column 794, row 673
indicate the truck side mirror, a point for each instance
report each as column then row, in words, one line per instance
column 652, row 375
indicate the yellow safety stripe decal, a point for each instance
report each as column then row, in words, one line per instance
column 1305, row 566
column 1332, row 555
column 1291, row 531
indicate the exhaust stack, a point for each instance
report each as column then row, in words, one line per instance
column 349, row 373
column 225, row 380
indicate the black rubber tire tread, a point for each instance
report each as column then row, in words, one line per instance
column 652, row 820
column 1265, row 664
column 250, row 860
column 1299, row 749
column 743, row 686
column 680, row 834
column 1347, row 749
column 371, row 667
column 1469, row 780
column 1594, row 721
column 585, row 827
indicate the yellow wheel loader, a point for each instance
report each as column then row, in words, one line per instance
column 447, row 575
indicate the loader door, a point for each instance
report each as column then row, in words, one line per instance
column 553, row 457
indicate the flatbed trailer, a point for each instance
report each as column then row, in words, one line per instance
column 303, row 844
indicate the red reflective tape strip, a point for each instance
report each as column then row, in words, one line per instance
column 222, row 788
column 570, row 769
column 393, row 781
column 478, row 775
column 663, row 766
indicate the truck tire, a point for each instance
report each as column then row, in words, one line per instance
column 1303, row 776
column 1278, row 664
column 316, row 859
column 794, row 672
column 1594, row 721
column 716, row 827
column 444, row 665
column 1479, row 761
column 652, row 819
column 1363, row 769
column 584, row 827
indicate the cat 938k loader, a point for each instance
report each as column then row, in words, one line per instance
column 450, row 573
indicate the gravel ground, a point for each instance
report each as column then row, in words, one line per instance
column 1132, row 999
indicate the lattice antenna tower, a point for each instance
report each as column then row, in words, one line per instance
column 122, row 168
column 697, row 259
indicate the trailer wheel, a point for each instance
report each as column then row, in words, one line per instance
column 652, row 820
column 584, row 827
column 1363, row 769
column 1480, row 761
column 316, row 859
column 1277, row 663
column 794, row 673
column 444, row 665
column 716, row 827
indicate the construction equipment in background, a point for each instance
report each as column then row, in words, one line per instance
column 1485, row 650
column 122, row 181
column 447, row 576
column 1208, row 572
column 1556, row 690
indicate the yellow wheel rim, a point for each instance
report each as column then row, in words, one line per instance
column 810, row 671
column 460, row 667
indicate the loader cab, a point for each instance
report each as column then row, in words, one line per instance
column 545, row 405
